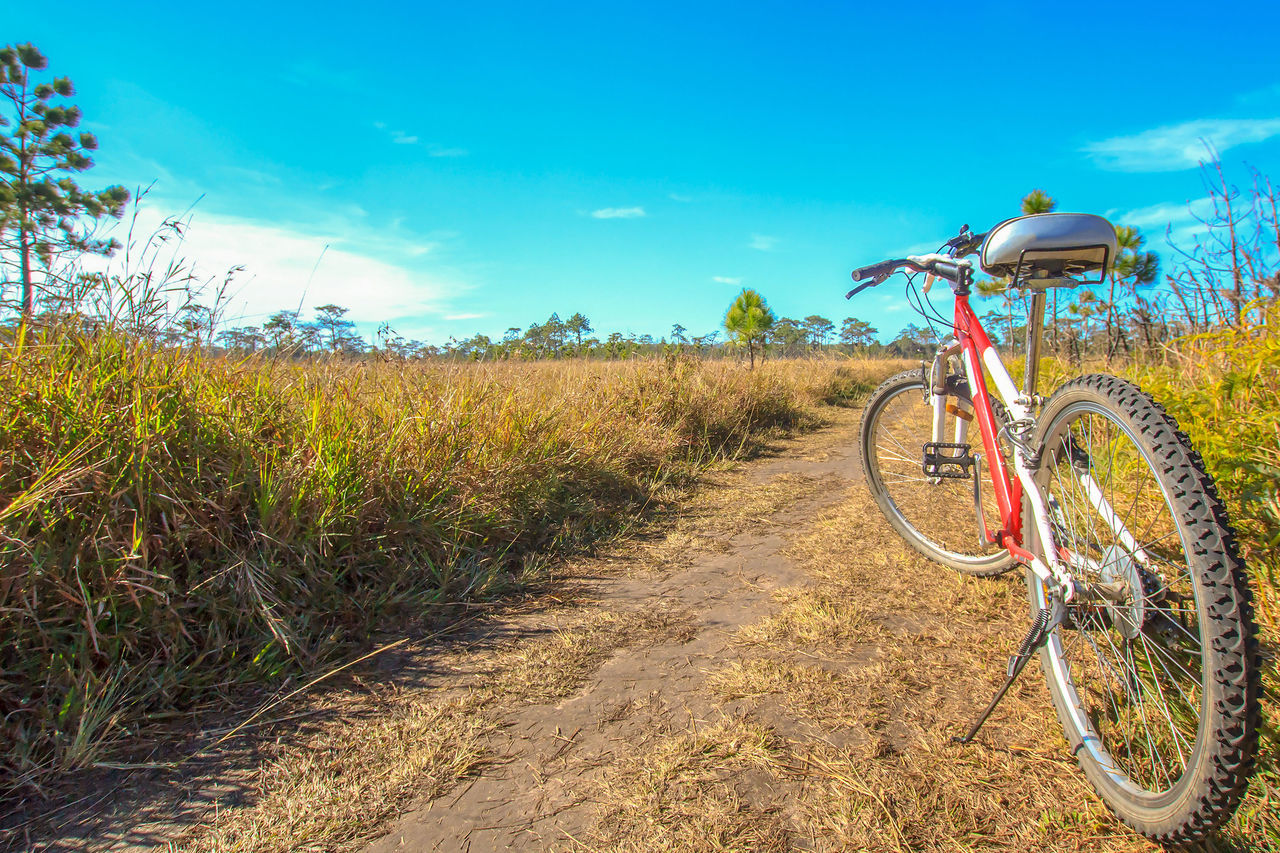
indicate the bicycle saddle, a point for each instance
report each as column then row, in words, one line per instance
column 1057, row 243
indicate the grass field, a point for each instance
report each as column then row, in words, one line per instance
column 176, row 525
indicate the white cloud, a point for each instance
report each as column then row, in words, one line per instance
column 763, row 242
column 467, row 316
column 1178, row 221
column 400, row 138
column 618, row 213
column 287, row 268
column 1179, row 146
column 680, row 197
column 724, row 279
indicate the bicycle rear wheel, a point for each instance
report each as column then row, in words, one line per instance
column 1155, row 679
column 936, row 516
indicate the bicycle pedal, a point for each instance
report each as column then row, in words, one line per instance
column 947, row 460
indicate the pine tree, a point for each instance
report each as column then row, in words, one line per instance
column 857, row 333
column 41, row 206
column 332, row 323
column 748, row 320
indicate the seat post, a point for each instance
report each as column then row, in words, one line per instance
column 1035, row 334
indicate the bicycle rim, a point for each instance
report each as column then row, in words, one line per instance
column 936, row 516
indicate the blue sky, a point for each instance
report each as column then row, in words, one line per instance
column 477, row 166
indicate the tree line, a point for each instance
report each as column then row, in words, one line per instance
column 329, row 332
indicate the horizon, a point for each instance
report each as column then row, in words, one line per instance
column 457, row 171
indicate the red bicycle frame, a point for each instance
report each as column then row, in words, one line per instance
column 975, row 345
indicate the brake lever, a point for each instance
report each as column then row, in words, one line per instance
column 871, row 282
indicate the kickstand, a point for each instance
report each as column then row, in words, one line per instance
column 1033, row 640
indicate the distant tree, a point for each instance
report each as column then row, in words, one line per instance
column 309, row 337
column 1133, row 268
column 578, row 325
column 40, row 204
column 707, row 341
column 281, row 328
column 748, row 320
column 535, row 339
column 677, row 334
column 818, row 329
column 511, row 342
column 1038, row 201
column 242, row 339
column 857, row 333
column 333, row 325
column 553, row 332
column 786, row 334
column 912, row 341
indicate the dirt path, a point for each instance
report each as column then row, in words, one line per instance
column 535, row 798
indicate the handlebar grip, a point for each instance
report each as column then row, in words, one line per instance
column 946, row 270
column 882, row 268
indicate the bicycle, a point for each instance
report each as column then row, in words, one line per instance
column 1140, row 606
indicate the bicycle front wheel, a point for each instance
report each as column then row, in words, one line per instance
column 1155, row 673
column 936, row 516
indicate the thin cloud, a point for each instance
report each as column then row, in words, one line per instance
column 1180, row 146
column 724, row 279
column 618, row 213
column 680, row 197
column 763, row 242
column 464, row 316
column 400, row 137
column 1257, row 96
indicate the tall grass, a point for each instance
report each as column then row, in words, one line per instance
column 1224, row 389
column 173, row 523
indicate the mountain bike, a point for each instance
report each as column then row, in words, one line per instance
column 1140, row 608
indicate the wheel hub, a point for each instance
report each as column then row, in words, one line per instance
column 1127, row 615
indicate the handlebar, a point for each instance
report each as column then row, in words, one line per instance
column 949, row 266
column 956, row 271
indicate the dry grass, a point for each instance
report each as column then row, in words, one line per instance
column 551, row 667
column 327, row 791
column 339, row 785
column 695, row 791
column 810, row 618
column 173, row 525
column 864, row 677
